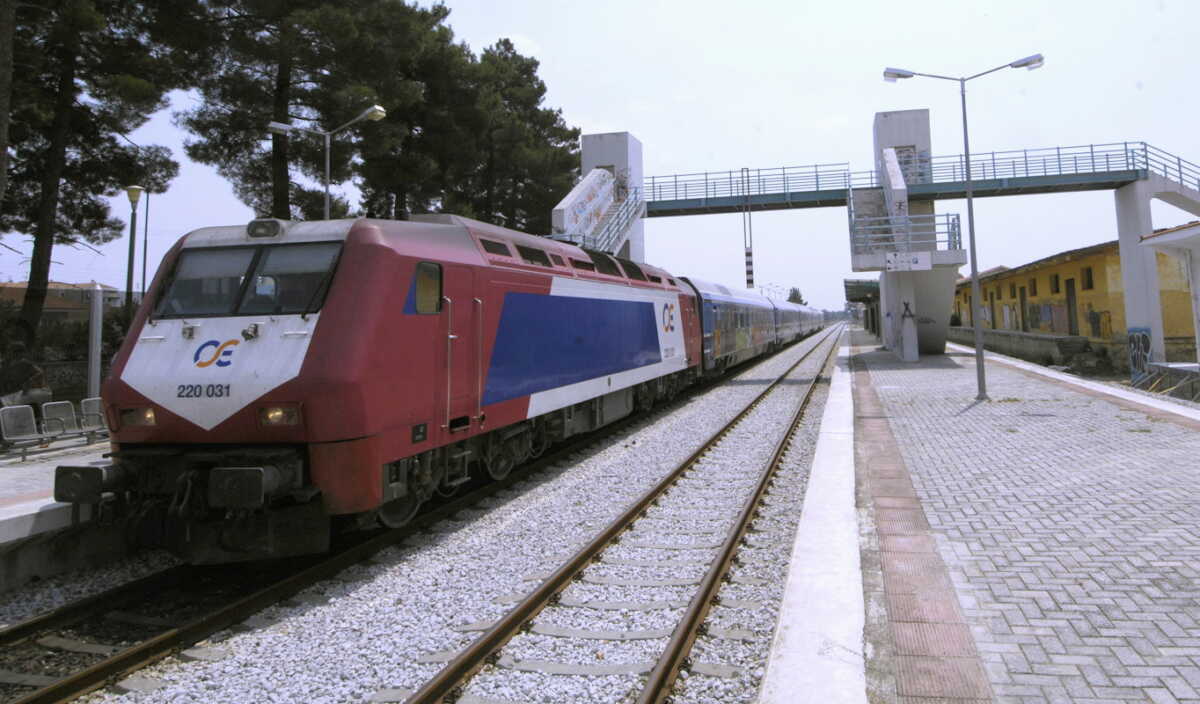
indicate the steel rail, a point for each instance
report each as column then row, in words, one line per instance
column 662, row 678
column 135, row 657
column 146, row 652
column 464, row 665
column 73, row 611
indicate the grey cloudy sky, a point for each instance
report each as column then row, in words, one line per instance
column 720, row 85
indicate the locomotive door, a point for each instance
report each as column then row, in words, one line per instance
column 463, row 327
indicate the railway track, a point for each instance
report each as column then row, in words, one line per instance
column 700, row 499
column 104, row 638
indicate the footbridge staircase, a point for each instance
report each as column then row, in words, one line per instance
column 599, row 213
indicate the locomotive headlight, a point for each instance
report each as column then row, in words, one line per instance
column 137, row 416
column 278, row 415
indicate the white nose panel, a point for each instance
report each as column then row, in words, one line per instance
column 217, row 372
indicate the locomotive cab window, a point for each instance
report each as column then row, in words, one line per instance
column 428, row 288
column 494, row 247
column 268, row 279
column 290, row 279
column 532, row 255
column 586, row 266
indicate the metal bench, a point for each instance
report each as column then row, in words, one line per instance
column 91, row 416
column 19, row 428
column 59, row 419
column 19, row 431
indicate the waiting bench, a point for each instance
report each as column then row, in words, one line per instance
column 19, row 428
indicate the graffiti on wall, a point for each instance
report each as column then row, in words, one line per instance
column 1139, row 352
column 1099, row 322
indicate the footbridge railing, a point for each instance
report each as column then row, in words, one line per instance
column 737, row 182
column 1045, row 163
column 913, row 233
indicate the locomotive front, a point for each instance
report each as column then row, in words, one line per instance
column 205, row 403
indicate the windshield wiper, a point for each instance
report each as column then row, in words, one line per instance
column 317, row 291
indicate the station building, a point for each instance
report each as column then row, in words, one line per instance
column 1063, row 304
column 65, row 302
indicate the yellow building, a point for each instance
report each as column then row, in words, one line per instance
column 1079, row 293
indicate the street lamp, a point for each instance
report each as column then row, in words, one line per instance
column 134, row 193
column 373, row 113
column 892, row 75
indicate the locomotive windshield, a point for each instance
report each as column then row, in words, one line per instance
column 264, row 280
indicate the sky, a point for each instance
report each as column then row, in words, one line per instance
column 714, row 86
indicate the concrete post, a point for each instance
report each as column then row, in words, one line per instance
column 1191, row 262
column 902, row 310
column 1139, row 272
column 621, row 154
column 95, row 329
column 888, row 318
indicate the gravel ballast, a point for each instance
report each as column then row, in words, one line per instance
column 388, row 623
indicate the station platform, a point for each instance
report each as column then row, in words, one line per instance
column 34, row 528
column 1041, row 546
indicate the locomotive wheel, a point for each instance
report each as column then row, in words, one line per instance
column 398, row 512
column 500, row 463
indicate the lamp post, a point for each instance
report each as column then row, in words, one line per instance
column 373, row 113
column 891, row 75
column 134, row 193
column 145, row 242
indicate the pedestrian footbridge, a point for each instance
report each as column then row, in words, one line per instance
column 1089, row 167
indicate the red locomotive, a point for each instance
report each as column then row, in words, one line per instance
column 281, row 374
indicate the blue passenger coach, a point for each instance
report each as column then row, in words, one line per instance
column 736, row 325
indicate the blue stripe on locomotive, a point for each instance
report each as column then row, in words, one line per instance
column 545, row 342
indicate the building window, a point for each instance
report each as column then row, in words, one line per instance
column 1087, row 278
column 999, row 293
column 1012, row 290
column 1054, row 283
column 1033, row 287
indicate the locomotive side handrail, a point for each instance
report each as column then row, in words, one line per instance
column 479, row 363
column 450, row 337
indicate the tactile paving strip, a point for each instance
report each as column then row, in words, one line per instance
column 935, row 661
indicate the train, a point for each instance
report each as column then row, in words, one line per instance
column 284, row 380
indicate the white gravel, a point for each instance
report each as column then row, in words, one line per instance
column 351, row 637
column 766, row 558
column 718, row 485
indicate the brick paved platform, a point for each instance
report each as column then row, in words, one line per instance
column 1065, row 521
column 27, row 505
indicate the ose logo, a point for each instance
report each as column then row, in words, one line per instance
column 668, row 317
column 220, row 355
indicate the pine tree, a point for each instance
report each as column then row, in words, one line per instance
column 528, row 155
column 8, row 28
column 91, row 71
column 265, row 68
column 795, row 297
